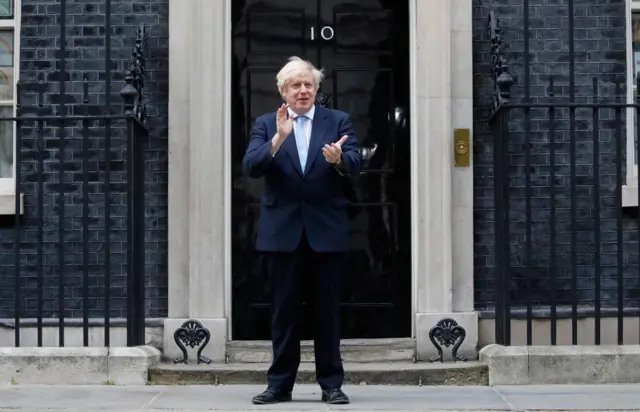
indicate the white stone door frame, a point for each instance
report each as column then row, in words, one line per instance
column 200, row 170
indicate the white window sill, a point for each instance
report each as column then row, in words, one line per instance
column 630, row 195
column 8, row 204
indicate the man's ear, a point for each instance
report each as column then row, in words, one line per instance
column 281, row 90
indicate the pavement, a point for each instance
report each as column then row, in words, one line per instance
column 199, row 398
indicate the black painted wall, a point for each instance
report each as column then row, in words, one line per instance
column 40, row 43
column 599, row 52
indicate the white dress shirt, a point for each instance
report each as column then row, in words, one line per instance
column 308, row 123
column 309, row 126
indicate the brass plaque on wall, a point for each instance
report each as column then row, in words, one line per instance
column 461, row 147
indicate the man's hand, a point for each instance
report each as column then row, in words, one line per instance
column 333, row 153
column 284, row 127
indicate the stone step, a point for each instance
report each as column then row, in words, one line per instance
column 358, row 373
column 352, row 350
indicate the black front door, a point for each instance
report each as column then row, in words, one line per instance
column 363, row 47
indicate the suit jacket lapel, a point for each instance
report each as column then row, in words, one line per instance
column 318, row 132
column 289, row 146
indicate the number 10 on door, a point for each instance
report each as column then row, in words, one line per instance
column 326, row 32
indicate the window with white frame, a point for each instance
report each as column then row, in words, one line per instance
column 633, row 68
column 9, row 70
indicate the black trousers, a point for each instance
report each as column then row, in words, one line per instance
column 316, row 278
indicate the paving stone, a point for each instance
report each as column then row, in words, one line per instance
column 33, row 398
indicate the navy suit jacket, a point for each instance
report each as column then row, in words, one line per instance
column 294, row 200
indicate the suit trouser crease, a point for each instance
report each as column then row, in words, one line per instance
column 315, row 278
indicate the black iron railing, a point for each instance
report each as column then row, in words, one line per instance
column 564, row 246
column 80, row 169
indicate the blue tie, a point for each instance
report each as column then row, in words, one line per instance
column 301, row 140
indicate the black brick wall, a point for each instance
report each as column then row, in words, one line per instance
column 600, row 53
column 85, row 56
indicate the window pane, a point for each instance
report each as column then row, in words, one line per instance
column 6, row 9
column 635, row 127
column 635, row 33
column 6, row 143
column 6, row 65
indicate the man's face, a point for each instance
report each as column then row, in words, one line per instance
column 300, row 92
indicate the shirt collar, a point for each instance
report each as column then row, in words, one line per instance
column 309, row 114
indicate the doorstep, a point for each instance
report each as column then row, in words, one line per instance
column 356, row 373
column 351, row 350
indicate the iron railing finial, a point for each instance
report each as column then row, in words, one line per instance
column 499, row 68
column 133, row 91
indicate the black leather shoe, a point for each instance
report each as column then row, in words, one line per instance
column 270, row 396
column 335, row 397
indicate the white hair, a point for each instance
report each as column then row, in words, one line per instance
column 294, row 68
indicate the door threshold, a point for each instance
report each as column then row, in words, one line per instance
column 352, row 350
column 401, row 342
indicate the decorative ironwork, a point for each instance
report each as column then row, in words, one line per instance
column 499, row 68
column 192, row 334
column 323, row 100
column 133, row 91
column 447, row 332
column 367, row 153
column 398, row 118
